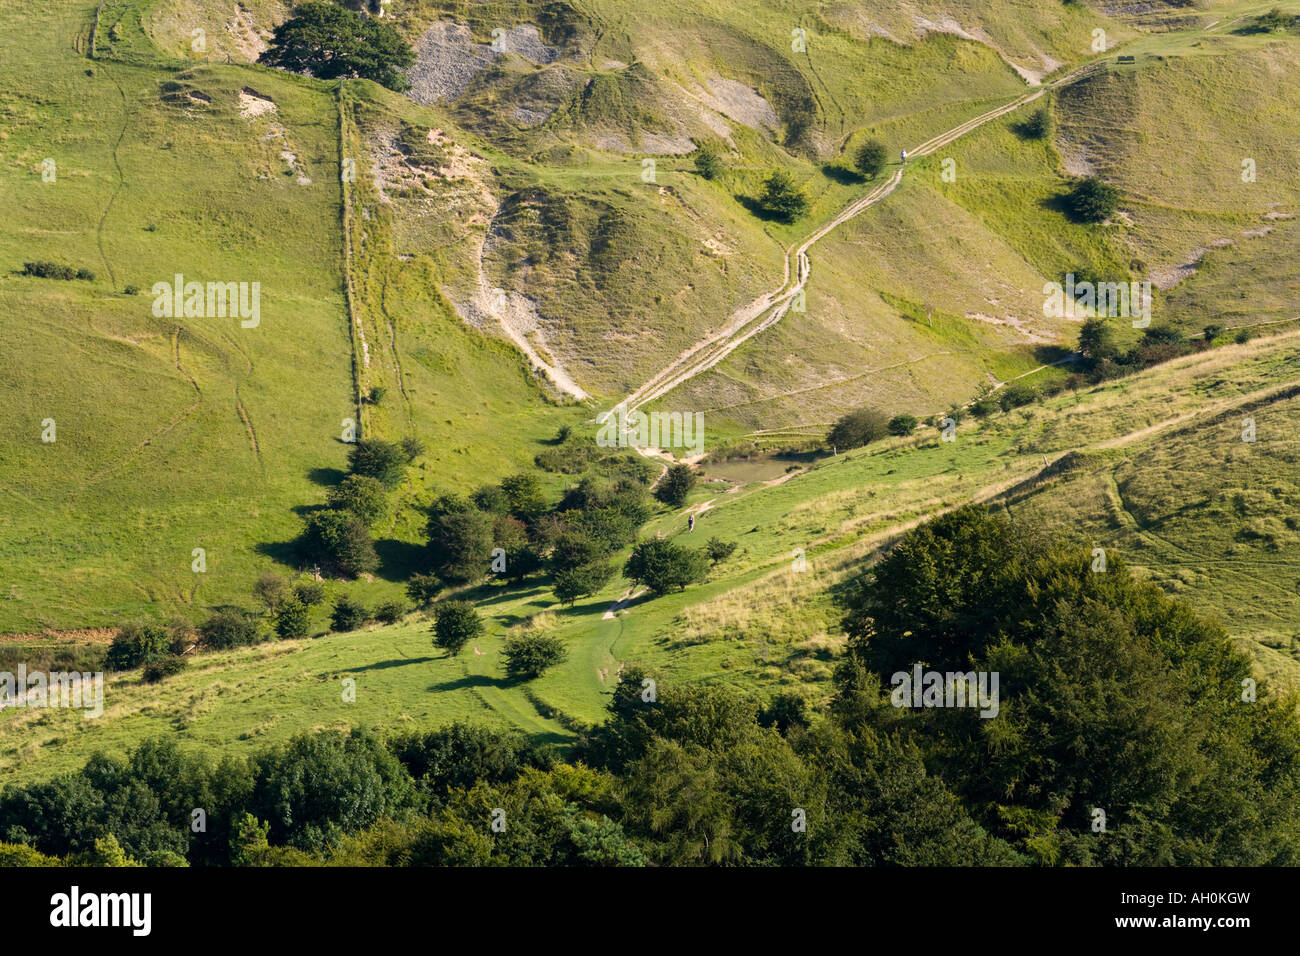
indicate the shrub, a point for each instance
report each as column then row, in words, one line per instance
column 458, row 756
column 310, row 593
column 135, row 644
column 229, row 627
column 294, row 620
column 524, row 497
column 455, row 624
column 86, row 274
column 1038, row 125
column 1097, row 340
column 1212, row 332
column 663, row 566
column 491, row 499
column 707, row 162
column 48, row 270
column 156, row 668
column 360, row 495
column 784, row 712
column 871, row 157
column 1242, row 337
column 348, row 614
column 571, row 458
column 271, row 589
column 719, row 550
column 521, row 558
column 858, row 428
column 411, row 447
column 573, row 548
column 527, row 655
column 319, row 786
column 181, row 635
column 1017, row 394
column 378, row 459
column 902, row 425
column 132, row 290
column 983, row 407
column 390, row 612
column 341, row 541
column 675, row 485
column 582, row 580
column 377, row 393
column 781, row 198
column 460, row 543
column 1273, row 21
column 1092, row 200
column 423, row 588
column 1164, row 335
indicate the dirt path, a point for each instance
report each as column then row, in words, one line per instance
column 768, row 309
column 248, row 426
column 356, row 334
column 121, row 179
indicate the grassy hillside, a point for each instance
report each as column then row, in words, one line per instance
column 197, row 433
column 937, row 290
column 765, row 620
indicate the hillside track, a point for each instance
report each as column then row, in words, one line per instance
column 121, row 182
column 768, row 309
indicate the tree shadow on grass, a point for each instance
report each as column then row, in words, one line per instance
column 486, row 596
column 760, row 211
column 553, row 739
column 398, row 560
column 326, row 476
column 1060, row 203
column 396, row 662
column 1051, row 354
column 470, row 681
column 286, row 553
column 843, row 175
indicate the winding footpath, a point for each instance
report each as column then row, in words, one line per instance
column 768, row 309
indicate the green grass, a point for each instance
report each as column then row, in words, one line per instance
column 758, row 624
column 242, row 700
column 211, row 438
column 918, row 301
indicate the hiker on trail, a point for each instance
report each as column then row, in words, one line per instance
column 904, row 155
column 690, row 523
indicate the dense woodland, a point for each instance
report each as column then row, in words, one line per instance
column 1114, row 696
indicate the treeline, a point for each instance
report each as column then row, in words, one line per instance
column 507, row 531
column 1100, row 358
column 1104, row 359
column 43, row 269
column 1128, row 732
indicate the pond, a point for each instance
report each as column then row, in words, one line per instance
column 745, row 470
